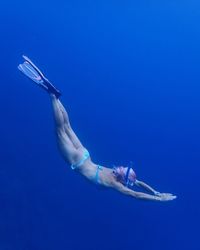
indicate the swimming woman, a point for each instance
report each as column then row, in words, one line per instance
column 119, row 178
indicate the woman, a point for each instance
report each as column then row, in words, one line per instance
column 119, row 178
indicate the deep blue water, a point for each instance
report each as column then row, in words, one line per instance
column 129, row 72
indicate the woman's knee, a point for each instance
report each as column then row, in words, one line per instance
column 61, row 134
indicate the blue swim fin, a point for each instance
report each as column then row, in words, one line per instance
column 32, row 72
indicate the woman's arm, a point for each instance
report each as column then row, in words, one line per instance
column 147, row 187
column 139, row 195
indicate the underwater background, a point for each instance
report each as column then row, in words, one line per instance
column 129, row 72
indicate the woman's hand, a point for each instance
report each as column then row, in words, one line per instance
column 166, row 196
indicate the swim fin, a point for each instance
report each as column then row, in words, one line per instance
column 32, row 72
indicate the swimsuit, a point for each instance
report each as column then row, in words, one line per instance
column 86, row 155
column 96, row 179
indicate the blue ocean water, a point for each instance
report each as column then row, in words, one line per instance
column 129, row 72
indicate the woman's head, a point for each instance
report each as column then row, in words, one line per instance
column 125, row 175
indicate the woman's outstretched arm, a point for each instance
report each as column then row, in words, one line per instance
column 146, row 186
column 140, row 195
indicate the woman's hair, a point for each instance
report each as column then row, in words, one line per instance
column 125, row 175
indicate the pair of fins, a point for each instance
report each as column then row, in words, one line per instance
column 29, row 69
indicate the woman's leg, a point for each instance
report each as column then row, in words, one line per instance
column 67, row 140
column 65, row 144
column 68, row 129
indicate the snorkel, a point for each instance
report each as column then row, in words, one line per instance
column 125, row 175
column 130, row 177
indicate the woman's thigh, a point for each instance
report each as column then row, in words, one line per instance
column 66, row 147
column 73, row 137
